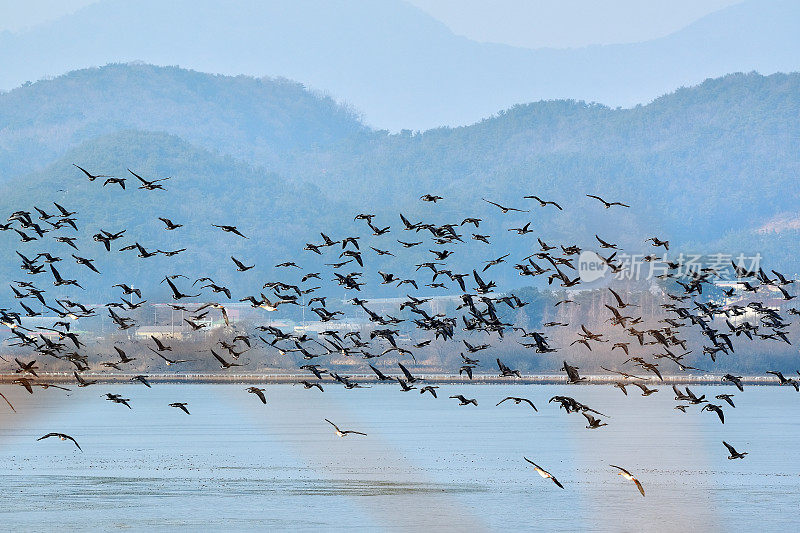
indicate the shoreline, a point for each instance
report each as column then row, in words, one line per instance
column 448, row 379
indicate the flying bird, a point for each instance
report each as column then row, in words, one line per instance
column 142, row 380
column 715, row 408
column 505, row 209
column 6, row 400
column 429, row 388
column 465, row 401
column 543, row 203
column 91, row 177
column 341, row 433
column 258, row 392
column 544, row 473
column 517, row 401
column 733, row 453
column 181, row 406
column 60, row 436
column 229, row 229
column 148, row 185
column 170, row 224
column 593, row 422
column 430, row 198
column 607, row 204
column 241, row 266
column 118, row 181
column 627, row 475
column 223, row 364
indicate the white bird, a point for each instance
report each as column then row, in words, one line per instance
column 544, row 473
column 627, row 475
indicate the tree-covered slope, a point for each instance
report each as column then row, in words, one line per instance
column 705, row 166
column 698, row 163
column 203, row 189
column 252, row 119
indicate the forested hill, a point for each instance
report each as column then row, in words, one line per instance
column 707, row 166
column 204, row 188
column 699, row 163
column 252, row 119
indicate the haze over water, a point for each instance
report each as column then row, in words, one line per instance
column 426, row 463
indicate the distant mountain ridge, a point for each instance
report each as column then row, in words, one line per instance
column 400, row 67
column 705, row 166
column 252, row 119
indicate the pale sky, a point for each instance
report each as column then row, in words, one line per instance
column 17, row 15
column 526, row 23
column 567, row 23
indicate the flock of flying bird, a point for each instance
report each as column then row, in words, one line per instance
column 479, row 311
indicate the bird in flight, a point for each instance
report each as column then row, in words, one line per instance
column 9, row 403
column 142, row 380
column 229, row 229
column 429, row 388
column 181, row 406
column 149, row 185
column 176, row 294
column 544, row 473
column 543, row 203
column 727, row 398
column 169, row 361
column 517, row 401
column 116, row 398
column 715, row 408
column 170, row 224
column 83, row 382
column 341, row 433
column 733, row 453
column 781, row 379
column 258, row 392
column 223, row 363
column 308, row 385
column 645, row 391
column 430, row 198
column 572, row 373
column 505, row 209
column 736, row 380
column 623, row 374
column 118, row 181
column 241, row 267
column 465, row 401
column 91, row 177
column 607, row 204
column 61, row 436
column 627, row 475
column 593, row 422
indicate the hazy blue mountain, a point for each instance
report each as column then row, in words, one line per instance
column 705, row 167
column 399, row 66
column 703, row 160
column 252, row 119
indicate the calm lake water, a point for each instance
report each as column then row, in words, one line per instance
column 426, row 463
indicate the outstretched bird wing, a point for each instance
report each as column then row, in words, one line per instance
column 9, row 403
column 730, row 448
column 619, row 467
